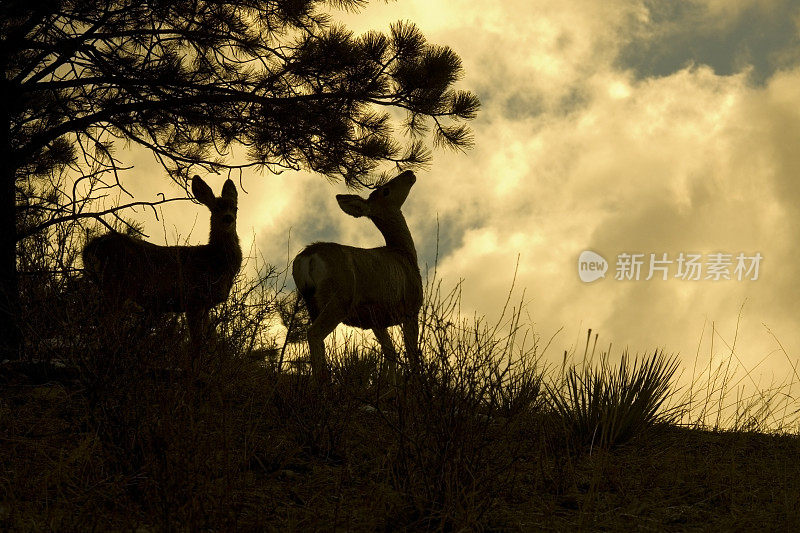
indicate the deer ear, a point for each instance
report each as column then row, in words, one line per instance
column 229, row 191
column 202, row 192
column 353, row 205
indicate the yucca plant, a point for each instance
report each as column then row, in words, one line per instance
column 606, row 406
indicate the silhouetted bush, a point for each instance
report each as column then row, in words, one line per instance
column 603, row 405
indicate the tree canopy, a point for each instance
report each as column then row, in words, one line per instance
column 193, row 80
column 188, row 79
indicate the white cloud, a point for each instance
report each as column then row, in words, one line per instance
column 573, row 153
column 685, row 162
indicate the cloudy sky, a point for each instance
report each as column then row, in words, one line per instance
column 638, row 127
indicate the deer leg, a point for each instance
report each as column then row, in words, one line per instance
column 322, row 326
column 410, row 328
column 197, row 320
column 389, row 353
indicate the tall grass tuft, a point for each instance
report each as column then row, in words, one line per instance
column 457, row 424
column 605, row 406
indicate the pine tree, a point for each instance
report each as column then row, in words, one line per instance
column 192, row 80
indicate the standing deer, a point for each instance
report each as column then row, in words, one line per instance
column 160, row 279
column 369, row 288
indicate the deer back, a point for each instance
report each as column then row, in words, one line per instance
column 375, row 287
column 161, row 278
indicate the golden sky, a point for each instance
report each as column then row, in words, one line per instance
column 647, row 126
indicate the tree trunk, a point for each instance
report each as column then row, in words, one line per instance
column 9, row 287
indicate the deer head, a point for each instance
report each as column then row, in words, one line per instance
column 384, row 201
column 223, row 208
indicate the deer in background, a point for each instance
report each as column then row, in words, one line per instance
column 368, row 288
column 161, row 279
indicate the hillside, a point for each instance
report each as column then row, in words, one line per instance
column 237, row 446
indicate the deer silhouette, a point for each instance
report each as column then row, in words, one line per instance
column 368, row 288
column 161, row 279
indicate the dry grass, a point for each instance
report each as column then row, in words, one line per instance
column 134, row 436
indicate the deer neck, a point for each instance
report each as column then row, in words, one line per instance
column 395, row 232
column 224, row 240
